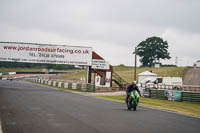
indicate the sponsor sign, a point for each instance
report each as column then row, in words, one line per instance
column 100, row 64
column 168, row 94
column 108, row 79
column 12, row 73
column 177, row 96
column 45, row 53
column 97, row 80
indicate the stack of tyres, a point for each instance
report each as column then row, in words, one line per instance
column 79, row 86
column 70, row 85
column 153, row 93
column 90, row 88
column 160, row 94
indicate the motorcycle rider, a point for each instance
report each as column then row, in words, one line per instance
column 131, row 87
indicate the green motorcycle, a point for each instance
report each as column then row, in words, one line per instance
column 133, row 100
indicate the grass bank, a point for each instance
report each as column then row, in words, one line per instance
column 127, row 72
column 180, row 107
column 74, row 75
column 123, row 71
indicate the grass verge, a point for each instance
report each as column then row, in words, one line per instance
column 180, row 107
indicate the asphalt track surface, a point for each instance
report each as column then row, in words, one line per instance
column 30, row 108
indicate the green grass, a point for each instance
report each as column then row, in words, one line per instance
column 74, row 75
column 20, row 70
column 127, row 73
column 180, row 107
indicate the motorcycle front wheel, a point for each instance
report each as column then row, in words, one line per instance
column 134, row 106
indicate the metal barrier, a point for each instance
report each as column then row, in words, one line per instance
column 159, row 94
column 191, row 97
column 172, row 87
column 175, row 95
column 68, row 85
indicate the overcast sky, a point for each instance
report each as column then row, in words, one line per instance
column 112, row 27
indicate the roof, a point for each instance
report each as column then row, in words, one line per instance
column 147, row 73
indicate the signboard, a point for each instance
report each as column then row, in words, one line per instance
column 108, row 79
column 177, row 96
column 168, row 94
column 97, row 80
column 100, row 64
column 45, row 53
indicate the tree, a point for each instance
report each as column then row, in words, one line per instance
column 151, row 50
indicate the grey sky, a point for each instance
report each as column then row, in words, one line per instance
column 111, row 27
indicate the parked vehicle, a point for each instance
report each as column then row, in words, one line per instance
column 163, row 81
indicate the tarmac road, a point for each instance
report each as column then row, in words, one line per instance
column 30, row 108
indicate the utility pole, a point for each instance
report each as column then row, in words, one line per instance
column 135, row 52
column 89, row 74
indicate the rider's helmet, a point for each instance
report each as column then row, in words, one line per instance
column 134, row 83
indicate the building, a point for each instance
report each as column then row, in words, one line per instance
column 146, row 75
column 197, row 63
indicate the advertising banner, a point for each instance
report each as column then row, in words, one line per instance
column 177, row 96
column 108, row 79
column 169, row 94
column 100, row 64
column 97, row 80
column 45, row 53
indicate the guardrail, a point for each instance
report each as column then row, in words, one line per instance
column 65, row 85
column 191, row 97
column 6, row 73
column 173, row 95
column 171, row 87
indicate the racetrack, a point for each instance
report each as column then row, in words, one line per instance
column 30, row 108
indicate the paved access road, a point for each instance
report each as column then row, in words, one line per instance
column 30, row 108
